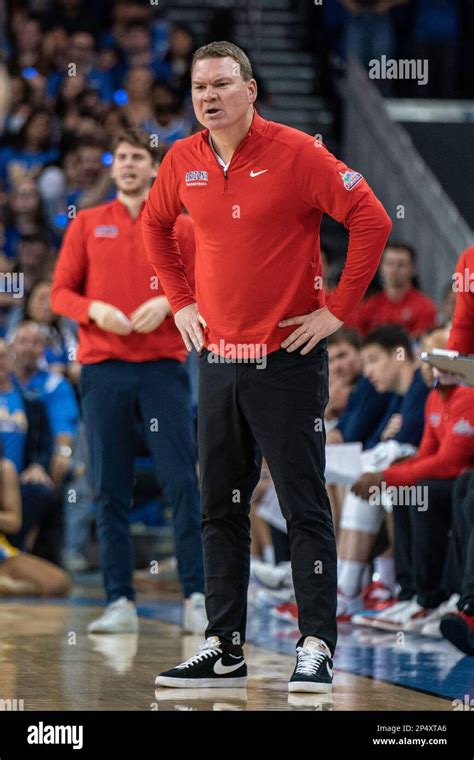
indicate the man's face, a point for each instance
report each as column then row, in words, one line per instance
column 132, row 169
column 221, row 98
column 139, row 81
column 396, row 269
column 90, row 164
column 381, row 367
column 26, row 197
column 32, row 253
column 28, row 345
column 82, row 48
column 344, row 361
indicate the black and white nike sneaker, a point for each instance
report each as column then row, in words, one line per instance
column 313, row 670
column 212, row 666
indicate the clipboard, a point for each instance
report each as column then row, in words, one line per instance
column 451, row 361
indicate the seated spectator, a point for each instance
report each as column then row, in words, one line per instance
column 34, row 263
column 59, row 338
column 391, row 367
column 361, row 408
column 422, row 526
column 389, row 363
column 458, row 626
column 168, row 121
column 126, row 12
column 179, row 57
column 20, row 105
column 82, row 52
column 139, row 107
column 54, row 390
column 25, row 215
column 400, row 302
column 135, row 45
column 22, row 573
column 34, row 149
column 27, row 442
column 27, row 40
column 90, row 171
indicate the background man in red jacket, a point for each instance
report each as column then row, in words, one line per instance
column 257, row 191
column 132, row 356
column 461, row 337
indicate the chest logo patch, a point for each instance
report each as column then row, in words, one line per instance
column 196, row 178
column 106, row 231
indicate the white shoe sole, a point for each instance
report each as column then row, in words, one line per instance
column 201, row 683
column 307, row 686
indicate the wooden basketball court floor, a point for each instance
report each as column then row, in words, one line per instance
column 48, row 662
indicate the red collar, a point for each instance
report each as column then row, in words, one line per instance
column 257, row 127
column 123, row 210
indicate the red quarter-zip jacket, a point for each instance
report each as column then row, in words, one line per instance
column 461, row 337
column 102, row 258
column 447, row 445
column 415, row 312
column 257, row 232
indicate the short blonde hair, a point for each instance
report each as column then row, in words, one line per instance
column 225, row 50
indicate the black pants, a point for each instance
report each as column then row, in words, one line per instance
column 460, row 565
column 421, row 539
column 278, row 411
column 281, row 545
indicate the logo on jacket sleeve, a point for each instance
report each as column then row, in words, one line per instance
column 463, row 427
column 350, row 179
column 106, row 231
column 196, row 178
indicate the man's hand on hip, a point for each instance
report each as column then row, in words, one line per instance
column 150, row 314
column 311, row 329
column 109, row 318
column 189, row 321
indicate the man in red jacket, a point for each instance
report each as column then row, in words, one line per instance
column 400, row 302
column 461, row 337
column 257, row 191
column 421, row 489
column 132, row 357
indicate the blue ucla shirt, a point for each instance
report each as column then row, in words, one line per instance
column 57, row 394
column 13, row 427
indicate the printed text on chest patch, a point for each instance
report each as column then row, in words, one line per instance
column 106, row 231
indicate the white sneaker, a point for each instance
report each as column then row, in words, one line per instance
column 431, row 626
column 272, row 576
column 347, row 606
column 75, row 562
column 394, row 618
column 119, row 617
column 195, row 618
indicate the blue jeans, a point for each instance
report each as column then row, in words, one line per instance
column 109, row 392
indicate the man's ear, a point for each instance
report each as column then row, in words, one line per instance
column 253, row 92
